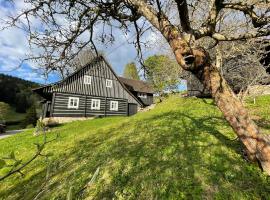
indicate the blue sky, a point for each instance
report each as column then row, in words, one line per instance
column 14, row 47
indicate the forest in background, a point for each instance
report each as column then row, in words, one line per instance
column 17, row 92
column 18, row 104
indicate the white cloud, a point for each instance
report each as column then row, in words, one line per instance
column 14, row 45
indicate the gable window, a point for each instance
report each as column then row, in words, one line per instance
column 114, row 105
column 95, row 104
column 73, row 102
column 108, row 83
column 87, row 79
column 142, row 95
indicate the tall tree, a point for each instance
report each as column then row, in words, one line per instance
column 158, row 75
column 131, row 71
column 242, row 65
column 62, row 41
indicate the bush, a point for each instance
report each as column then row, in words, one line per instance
column 4, row 107
column 40, row 127
column 30, row 126
column 22, row 102
column 31, row 117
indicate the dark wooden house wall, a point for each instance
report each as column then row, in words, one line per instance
column 146, row 101
column 60, row 106
column 100, row 71
column 132, row 109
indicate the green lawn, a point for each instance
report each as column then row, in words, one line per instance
column 183, row 149
column 261, row 111
column 11, row 116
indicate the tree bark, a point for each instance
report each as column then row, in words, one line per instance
column 256, row 144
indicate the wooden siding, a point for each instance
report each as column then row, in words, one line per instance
column 60, row 106
column 147, row 101
column 132, row 109
column 100, row 71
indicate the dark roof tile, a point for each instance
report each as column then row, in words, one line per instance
column 137, row 85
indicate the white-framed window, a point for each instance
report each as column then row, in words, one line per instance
column 114, row 105
column 108, row 83
column 73, row 102
column 95, row 104
column 87, row 79
column 142, row 95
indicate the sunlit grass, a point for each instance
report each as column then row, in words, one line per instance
column 182, row 149
column 260, row 111
column 12, row 115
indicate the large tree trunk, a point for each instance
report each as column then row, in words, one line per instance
column 256, row 144
column 198, row 62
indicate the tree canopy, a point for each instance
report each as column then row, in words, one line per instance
column 158, row 75
column 131, row 71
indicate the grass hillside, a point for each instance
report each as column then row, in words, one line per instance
column 10, row 116
column 17, row 93
column 182, row 149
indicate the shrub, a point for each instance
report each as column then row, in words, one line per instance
column 31, row 117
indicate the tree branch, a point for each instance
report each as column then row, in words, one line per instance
column 257, row 21
column 170, row 32
column 183, row 15
column 221, row 37
column 15, row 169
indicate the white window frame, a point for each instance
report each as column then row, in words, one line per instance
column 114, row 105
column 109, row 83
column 71, row 102
column 87, row 79
column 142, row 95
column 95, row 106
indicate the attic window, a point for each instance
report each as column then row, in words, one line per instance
column 142, row 95
column 87, row 79
column 73, row 102
column 108, row 83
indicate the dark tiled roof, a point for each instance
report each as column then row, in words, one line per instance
column 136, row 85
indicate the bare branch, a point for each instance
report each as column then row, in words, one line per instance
column 257, row 21
column 245, row 36
column 17, row 167
column 183, row 15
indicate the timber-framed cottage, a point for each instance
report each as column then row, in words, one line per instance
column 94, row 90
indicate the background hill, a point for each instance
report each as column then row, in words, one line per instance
column 182, row 149
column 17, row 92
column 16, row 97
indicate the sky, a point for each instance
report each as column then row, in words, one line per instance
column 14, row 47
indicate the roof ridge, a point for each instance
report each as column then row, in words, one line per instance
column 134, row 79
column 76, row 71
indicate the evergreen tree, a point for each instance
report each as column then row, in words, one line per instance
column 131, row 71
